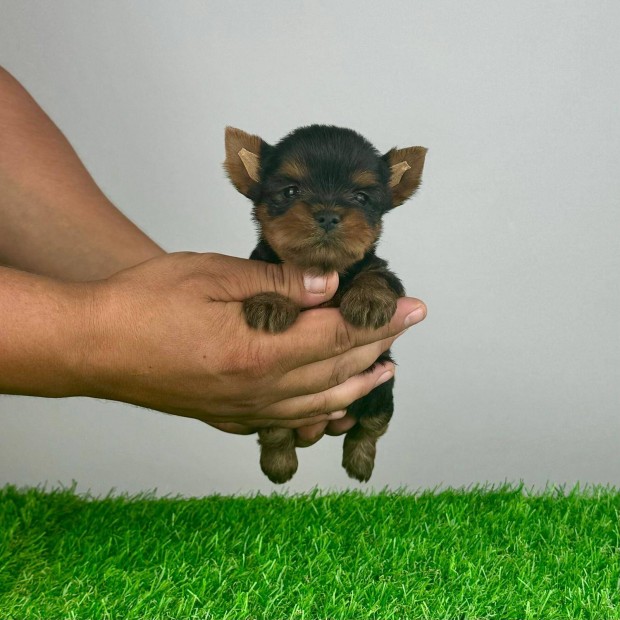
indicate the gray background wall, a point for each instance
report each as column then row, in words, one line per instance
column 512, row 241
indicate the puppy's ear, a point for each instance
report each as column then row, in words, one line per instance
column 242, row 164
column 405, row 171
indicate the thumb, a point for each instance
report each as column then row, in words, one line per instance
column 242, row 278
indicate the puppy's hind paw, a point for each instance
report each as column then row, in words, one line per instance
column 360, row 445
column 278, row 458
column 358, row 459
column 278, row 465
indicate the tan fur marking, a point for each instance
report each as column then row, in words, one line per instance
column 364, row 177
column 358, row 234
column 294, row 170
column 296, row 238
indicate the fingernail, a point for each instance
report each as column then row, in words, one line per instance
column 386, row 376
column 315, row 284
column 416, row 316
column 336, row 415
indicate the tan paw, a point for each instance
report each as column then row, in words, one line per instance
column 358, row 458
column 278, row 458
column 278, row 465
column 270, row 311
column 368, row 308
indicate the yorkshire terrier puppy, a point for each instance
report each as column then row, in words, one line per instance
column 319, row 195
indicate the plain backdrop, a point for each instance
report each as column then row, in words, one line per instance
column 512, row 240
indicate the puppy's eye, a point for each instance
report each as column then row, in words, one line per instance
column 361, row 198
column 291, row 191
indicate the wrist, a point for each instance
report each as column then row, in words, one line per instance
column 108, row 356
column 94, row 341
column 43, row 325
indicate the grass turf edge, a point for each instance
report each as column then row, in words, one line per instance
column 482, row 552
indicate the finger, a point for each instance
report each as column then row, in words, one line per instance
column 320, row 334
column 233, row 428
column 295, row 423
column 334, row 399
column 306, row 436
column 238, row 279
column 326, row 374
column 339, row 427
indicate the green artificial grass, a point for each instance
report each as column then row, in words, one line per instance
column 482, row 553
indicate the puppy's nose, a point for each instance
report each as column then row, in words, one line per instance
column 327, row 220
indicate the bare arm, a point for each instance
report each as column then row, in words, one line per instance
column 44, row 325
column 54, row 220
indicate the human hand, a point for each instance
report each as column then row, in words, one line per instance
column 170, row 335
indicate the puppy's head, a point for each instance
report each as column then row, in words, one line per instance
column 319, row 194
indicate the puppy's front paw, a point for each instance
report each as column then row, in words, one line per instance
column 368, row 307
column 270, row 311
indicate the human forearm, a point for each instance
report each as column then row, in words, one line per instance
column 54, row 219
column 42, row 336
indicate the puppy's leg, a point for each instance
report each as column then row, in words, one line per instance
column 278, row 458
column 274, row 313
column 374, row 412
column 360, row 445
